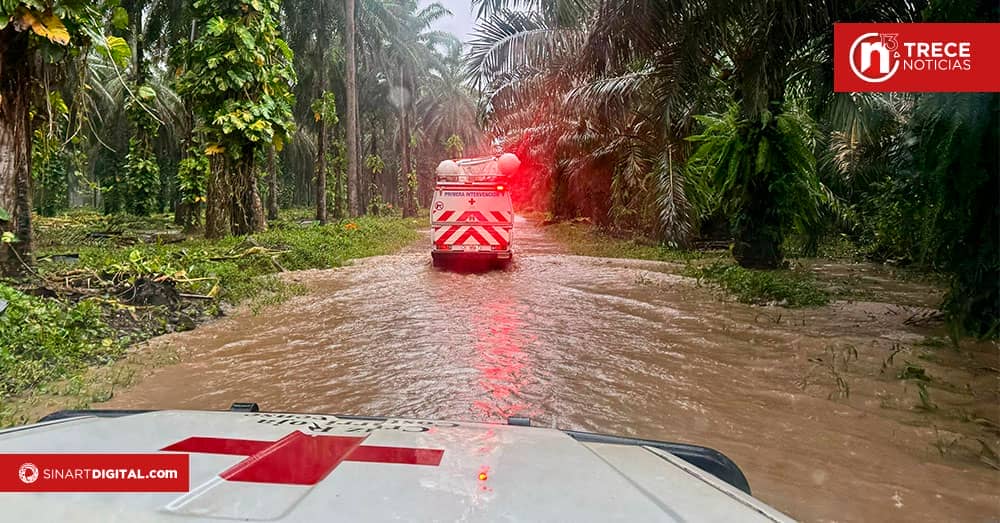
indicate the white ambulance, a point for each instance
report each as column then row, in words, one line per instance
column 472, row 217
column 185, row 466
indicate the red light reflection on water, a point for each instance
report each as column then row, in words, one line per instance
column 503, row 365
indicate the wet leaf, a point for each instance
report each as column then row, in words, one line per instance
column 217, row 26
column 246, row 37
column 119, row 18
column 213, row 149
column 116, row 49
column 47, row 25
column 4, row 215
column 146, row 92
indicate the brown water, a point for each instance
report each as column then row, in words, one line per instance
column 798, row 399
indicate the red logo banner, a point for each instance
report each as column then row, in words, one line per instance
column 94, row 473
column 929, row 57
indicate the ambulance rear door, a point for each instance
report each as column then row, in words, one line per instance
column 472, row 218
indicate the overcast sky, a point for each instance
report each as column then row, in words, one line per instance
column 462, row 20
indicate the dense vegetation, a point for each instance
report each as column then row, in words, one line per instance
column 689, row 120
column 676, row 120
column 222, row 112
column 118, row 287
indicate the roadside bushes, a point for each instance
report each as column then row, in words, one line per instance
column 45, row 339
column 782, row 287
column 42, row 339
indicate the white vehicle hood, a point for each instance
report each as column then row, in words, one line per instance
column 483, row 472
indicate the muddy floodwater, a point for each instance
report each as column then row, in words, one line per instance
column 808, row 402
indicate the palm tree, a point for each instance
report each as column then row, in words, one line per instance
column 667, row 62
column 445, row 106
column 351, row 84
column 311, row 28
column 445, row 112
column 411, row 50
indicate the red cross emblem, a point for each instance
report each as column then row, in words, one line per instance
column 299, row 459
column 472, row 201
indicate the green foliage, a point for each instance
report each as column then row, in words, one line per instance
column 325, row 108
column 934, row 205
column 586, row 240
column 119, row 18
column 114, row 48
column 375, row 164
column 765, row 178
column 49, row 158
column 956, row 134
column 192, row 175
column 377, row 206
column 455, row 146
column 48, row 172
column 781, row 287
column 42, row 340
column 234, row 263
column 141, row 184
column 58, row 28
column 51, row 189
column 38, row 17
column 7, row 236
column 239, row 77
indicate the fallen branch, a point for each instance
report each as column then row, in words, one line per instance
column 195, row 296
column 274, row 260
column 249, row 252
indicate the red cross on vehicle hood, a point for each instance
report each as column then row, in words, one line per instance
column 308, row 467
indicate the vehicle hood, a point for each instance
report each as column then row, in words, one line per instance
column 399, row 469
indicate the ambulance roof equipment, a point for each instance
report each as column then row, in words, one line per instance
column 483, row 169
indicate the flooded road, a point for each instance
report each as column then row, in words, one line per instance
column 807, row 402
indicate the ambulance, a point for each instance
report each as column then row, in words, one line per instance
column 472, row 217
column 179, row 466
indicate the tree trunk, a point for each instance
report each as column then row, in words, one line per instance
column 216, row 200
column 406, row 162
column 15, row 149
column 187, row 214
column 246, row 212
column 338, row 189
column 134, row 10
column 353, row 177
column 180, row 214
column 758, row 227
column 321, row 172
column 272, row 185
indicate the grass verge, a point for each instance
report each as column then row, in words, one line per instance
column 787, row 288
column 583, row 239
column 104, row 283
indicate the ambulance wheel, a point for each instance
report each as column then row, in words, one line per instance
column 504, row 264
column 436, row 261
